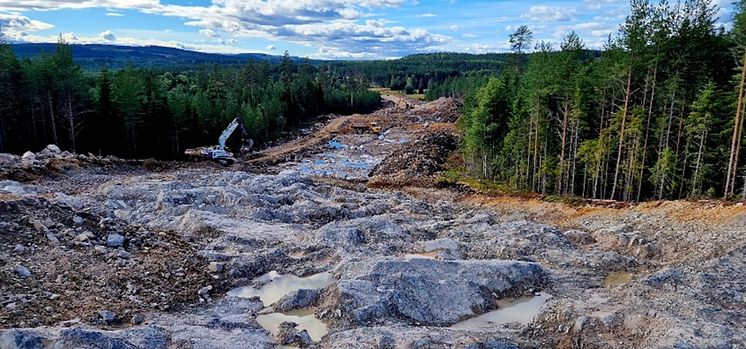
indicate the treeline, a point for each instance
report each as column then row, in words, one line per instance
column 138, row 112
column 657, row 115
column 423, row 72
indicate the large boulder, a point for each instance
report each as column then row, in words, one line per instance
column 80, row 338
column 429, row 292
column 299, row 299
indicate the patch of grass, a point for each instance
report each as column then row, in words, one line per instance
column 565, row 199
column 460, row 177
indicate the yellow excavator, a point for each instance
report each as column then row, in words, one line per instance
column 372, row 127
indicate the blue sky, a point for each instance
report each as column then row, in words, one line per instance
column 354, row 29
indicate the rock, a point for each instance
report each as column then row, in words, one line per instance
column 386, row 342
column 84, row 236
column 78, row 220
column 20, row 249
column 54, row 149
column 287, row 334
column 11, row 306
column 22, row 339
column 431, row 292
column 580, row 237
column 624, row 239
column 108, row 317
column 138, row 319
column 12, row 187
column 38, row 225
column 299, row 299
column 448, row 248
column 53, row 240
column 361, row 231
column 22, row 271
column 115, row 240
column 28, row 158
column 216, row 267
column 580, row 323
column 78, row 338
column 204, row 292
column 123, row 254
column 304, row 339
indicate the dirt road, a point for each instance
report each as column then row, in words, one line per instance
column 284, row 151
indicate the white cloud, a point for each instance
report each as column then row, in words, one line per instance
column 69, row 37
column 208, row 32
column 15, row 26
column 332, row 25
column 45, row 5
column 454, row 28
column 271, row 48
column 114, row 14
column 108, row 36
column 549, row 13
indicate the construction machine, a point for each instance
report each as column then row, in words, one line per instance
column 219, row 153
column 361, row 128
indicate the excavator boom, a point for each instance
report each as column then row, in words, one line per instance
column 219, row 153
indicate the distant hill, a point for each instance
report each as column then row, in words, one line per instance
column 94, row 57
column 111, row 56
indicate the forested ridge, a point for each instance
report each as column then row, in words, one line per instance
column 139, row 112
column 658, row 114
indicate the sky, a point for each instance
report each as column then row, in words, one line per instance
column 321, row 29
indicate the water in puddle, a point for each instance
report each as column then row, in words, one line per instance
column 617, row 279
column 275, row 286
column 304, row 318
column 521, row 311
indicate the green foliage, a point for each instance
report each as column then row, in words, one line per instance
column 138, row 112
column 644, row 119
column 484, row 124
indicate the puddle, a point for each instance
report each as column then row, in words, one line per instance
column 614, row 279
column 338, row 166
column 275, row 286
column 520, row 311
column 304, row 318
column 335, row 144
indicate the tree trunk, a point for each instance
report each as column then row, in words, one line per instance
column 576, row 140
column 560, row 175
column 735, row 141
column 52, row 118
column 71, row 121
column 621, row 132
column 699, row 163
column 648, row 117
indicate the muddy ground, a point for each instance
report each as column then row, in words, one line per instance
column 344, row 235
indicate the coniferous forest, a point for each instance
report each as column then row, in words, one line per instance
column 140, row 112
column 657, row 114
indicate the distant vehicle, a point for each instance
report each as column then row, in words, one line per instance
column 375, row 128
column 372, row 127
column 219, row 153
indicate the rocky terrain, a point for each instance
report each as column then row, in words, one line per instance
column 306, row 254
